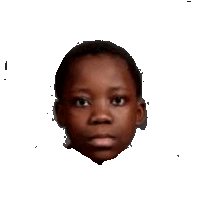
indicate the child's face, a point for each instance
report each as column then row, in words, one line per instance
column 100, row 111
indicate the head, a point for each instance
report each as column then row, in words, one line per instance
column 99, row 91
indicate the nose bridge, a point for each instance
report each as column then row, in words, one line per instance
column 101, row 111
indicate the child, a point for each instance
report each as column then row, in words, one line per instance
column 99, row 91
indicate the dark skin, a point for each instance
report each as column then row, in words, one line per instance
column 100, row 110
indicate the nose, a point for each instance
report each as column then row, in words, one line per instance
column 101, row 114
column 101, row 119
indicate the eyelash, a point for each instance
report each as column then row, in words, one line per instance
column 85, row 99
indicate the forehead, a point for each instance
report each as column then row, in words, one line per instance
column 100, row 71
column 97, row 65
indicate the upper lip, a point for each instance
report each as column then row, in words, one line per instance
column 102, row 136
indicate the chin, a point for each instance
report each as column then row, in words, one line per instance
column 102, row 155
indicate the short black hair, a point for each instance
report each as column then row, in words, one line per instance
column 94, row 48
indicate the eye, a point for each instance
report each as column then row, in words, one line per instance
column 118, row 99
column 81, row 100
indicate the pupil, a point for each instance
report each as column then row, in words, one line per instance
column 118, row 99
column 82, row 102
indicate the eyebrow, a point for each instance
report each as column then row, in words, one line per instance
column 76, row 89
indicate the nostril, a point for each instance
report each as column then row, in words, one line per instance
column 101, row 122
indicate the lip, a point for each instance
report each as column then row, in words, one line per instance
column 102, row 136
column 102, row 142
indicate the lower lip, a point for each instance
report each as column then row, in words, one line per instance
column 102, row 142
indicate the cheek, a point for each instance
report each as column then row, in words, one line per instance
column 127, row 117
column 127, row 131
column 127, row 137
column 79, row 118
column 126, row 125
column 73, row 115
column 76, row 122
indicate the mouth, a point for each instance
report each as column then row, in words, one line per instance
column 102, row 142
column 102, row 136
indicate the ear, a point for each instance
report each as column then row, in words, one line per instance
column 141, row 112
column 58, row 113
